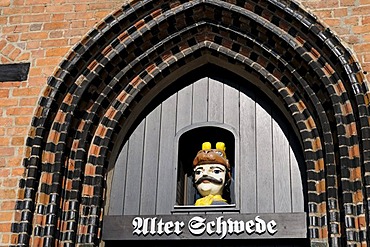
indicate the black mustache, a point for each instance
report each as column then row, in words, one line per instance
column 209, row 178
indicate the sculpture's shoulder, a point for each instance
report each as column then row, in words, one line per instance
column 216, row 202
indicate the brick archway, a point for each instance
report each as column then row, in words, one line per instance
column 142, row 46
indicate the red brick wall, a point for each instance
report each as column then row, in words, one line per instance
column 41, row 32
column 350, row 20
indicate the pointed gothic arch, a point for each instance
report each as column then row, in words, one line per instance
column 138, row 51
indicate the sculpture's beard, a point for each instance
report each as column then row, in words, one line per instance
column 209, row 178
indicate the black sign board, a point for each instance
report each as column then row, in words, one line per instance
column 14, row 72
column 207, row 226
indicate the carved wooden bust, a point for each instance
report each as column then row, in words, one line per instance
column 212, row 174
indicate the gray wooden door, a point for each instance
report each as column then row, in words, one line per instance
column 266, row 168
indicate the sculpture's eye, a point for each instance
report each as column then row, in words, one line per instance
column 219, row 153
column 198, row 171
column 217, row 170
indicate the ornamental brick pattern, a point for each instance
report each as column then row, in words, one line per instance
column 91, row 94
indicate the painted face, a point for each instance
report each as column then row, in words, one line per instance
column 210, row 179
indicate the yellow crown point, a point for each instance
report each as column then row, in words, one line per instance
column 220, row 146
column 206, row 145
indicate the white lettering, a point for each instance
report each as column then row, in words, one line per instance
column 167, row 227
column 236, row 227
column 210, row 225
column 152, row 226
column 221, row 227
column 249, row 226
column 145, row 226
column 260, row 225
column 198, row 226
column 178, row 227
column 137, row 223
column 160, row 227
column 270, row 227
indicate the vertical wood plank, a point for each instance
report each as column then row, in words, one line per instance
column 166, row 193
column 150, row 162
column 231, row 106
column 117, row 194
column 248, row 169
column 216, row 101
column 265, row 177
column 184, row 117
column 184, row 107
column 297, row 187
column 200, row 99
column 134, row 168
column 281, row 159
column 232, row 118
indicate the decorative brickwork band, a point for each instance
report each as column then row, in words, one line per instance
column 147, row 44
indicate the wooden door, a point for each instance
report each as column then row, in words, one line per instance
column 267, row 163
